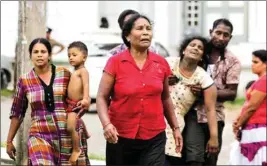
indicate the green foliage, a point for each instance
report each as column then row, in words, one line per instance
column 3, row 144
column 7, row 93
column 96, row 156
column 235, row 105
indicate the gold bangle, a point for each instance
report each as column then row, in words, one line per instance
column 106, row 125
column 9, row 142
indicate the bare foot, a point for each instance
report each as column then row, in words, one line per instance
column 74, row 156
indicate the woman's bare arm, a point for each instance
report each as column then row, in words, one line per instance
column 103, row 95
column 102, row 100
column 170, row 116
column 254, row 103
column 14, row 126
column 210, row 96
column 168, row 105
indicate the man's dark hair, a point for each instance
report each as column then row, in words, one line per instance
column 49, row 30
column 124, row 14
column 80, row 45
column 215, row 24
column 104, row 22
column 185, row 43
column 223, row 21
column 127, row 28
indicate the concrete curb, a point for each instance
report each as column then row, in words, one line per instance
column 6, row 160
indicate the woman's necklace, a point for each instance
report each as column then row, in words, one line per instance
column 183, row 73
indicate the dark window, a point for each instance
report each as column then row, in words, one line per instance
column 189, row 15
column 189, row 23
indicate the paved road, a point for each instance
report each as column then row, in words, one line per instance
column 96, row 144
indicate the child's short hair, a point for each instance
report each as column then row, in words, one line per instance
column 80, row 45
column 249, row 84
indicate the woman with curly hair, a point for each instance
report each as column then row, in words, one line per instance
column 188, row 71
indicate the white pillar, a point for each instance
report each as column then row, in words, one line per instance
column 257, row 21
column 175, row 25
column 161, row 22
column 147, row 8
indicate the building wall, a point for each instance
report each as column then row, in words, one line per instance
column 112, row 9
column 171, row 17
column 9, row 27
column 166, row 17
column 257, row 22
column 68, row 18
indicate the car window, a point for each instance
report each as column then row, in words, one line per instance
column 107, row 46
column 97, row 55
column 161, row 50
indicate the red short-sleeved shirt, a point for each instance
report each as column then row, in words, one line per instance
column 259, row 116
column 136, row 108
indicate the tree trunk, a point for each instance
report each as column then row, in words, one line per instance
column 31, row 25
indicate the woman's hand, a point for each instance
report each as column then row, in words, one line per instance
column 238, row 134
column 212, row 145
column 178, row 140
column 237, row 130
column 11, row 150
column 110, row 133
column 235, row 127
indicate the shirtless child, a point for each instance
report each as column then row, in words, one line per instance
column 78, row 89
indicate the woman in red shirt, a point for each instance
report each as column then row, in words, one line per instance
column 250, row 126
column 137, row 82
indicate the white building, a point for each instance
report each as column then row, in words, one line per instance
column 172, row 21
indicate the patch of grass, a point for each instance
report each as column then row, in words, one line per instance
column 96, row 156
column 91, row 155
column 3, row 144
column 235, row 105
column 7, row 93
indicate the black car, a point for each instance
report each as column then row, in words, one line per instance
column 6, row 70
